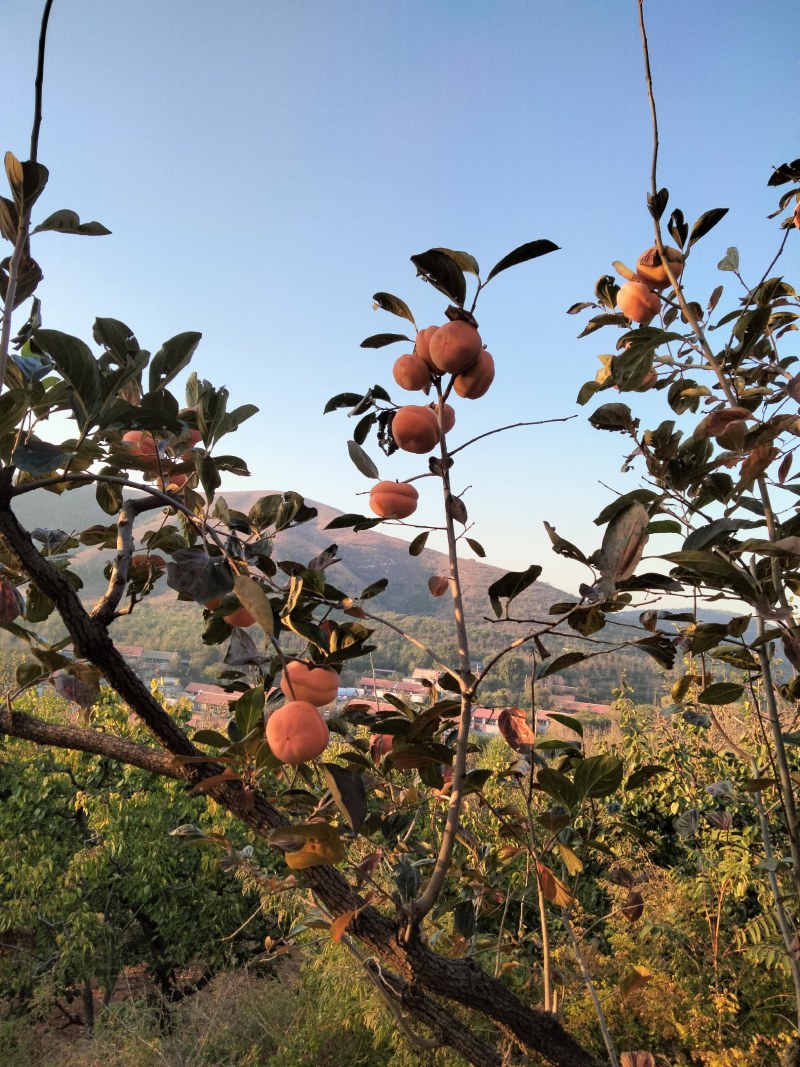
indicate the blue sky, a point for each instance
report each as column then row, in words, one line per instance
column 266, row 167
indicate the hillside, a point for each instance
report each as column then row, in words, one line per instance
column 365, row 558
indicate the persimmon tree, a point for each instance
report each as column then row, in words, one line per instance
column 377, row 830
column 144, row 450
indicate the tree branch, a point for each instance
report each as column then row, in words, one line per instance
column 63, row 735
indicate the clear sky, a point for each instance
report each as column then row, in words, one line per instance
column 267, row 165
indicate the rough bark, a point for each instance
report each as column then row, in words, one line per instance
column 426, row 974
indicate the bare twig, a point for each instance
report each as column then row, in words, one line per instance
column 511, row 426
column 24, row 221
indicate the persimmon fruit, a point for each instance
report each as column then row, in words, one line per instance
column 637, row 302
column 650, row 267
column 140, row 443
column 415, row 429
column 309, row 683
column 474, row 382
column 412, row 373
column 422, row 346
column 297, row 732
column 380, row 745
column 448, row 420
column 240, row 616
column 455, row 346
column 393, row 499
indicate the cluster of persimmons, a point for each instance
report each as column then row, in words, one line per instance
column 456, row 349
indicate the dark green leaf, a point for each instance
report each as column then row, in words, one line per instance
column 362, row 460
column 721, row 693
column 476, row 547
column 341, row 400
column 567, row 720
column 561, row 663
column 642, row 775
column 374, row 589
column 171, row 359
column 707, row 221
column 613, row 417
column 558, row 786
column 510, row 586
column 464, row 918
column 598, row 776
column 75, row 363
column 657, row 204
column 464, row 260
column 443, row 273
column 531, row 250
column 677, row 227
column 417, row 545
column 380, row 340
column 38, row 457
column 349, row 795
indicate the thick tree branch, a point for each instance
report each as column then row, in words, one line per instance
column 82, row 739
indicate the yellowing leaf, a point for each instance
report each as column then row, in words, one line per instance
column 553, row 888
column 340, row 924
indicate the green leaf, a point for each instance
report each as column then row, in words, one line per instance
column 730, row 261
column 443, row 273
column 38, row 457
column 657, row 204
column 721, row 693
column 677, row 227
column 557, row 786
column 464, row 260
column 250, row 710
column 707, row 221
column 211, row 737
column 77, row 366
column 200, row 576
column 361, row 460
column 395, row 305
column 380, row 340
column 66, row 221
column 598, row 776
column 424, row 754
column 568, row 721
column 526, row 252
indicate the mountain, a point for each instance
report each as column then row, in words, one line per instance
column 365, row 557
